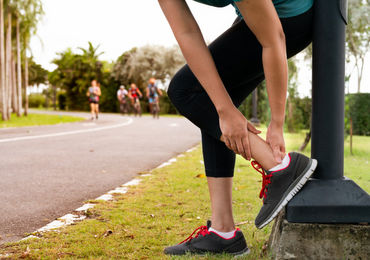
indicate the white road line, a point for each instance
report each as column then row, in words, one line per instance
column 22, row 138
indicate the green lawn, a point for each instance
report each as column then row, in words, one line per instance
column 164, row 209
column 38, row 119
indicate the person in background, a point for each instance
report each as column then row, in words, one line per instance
column 121, row 96
column 135, row 94
column 94, row 94
column 153, row 93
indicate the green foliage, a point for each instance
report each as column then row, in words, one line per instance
column 298, row 112
column 358, row 34
column 357, row 108
column 263, row 109
column 39, row 119
column 75, row 71
column 74, row 74
column 36, row 73
column 36, row 100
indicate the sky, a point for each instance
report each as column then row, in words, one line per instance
column 118, row 25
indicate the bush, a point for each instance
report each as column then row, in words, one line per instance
column 358, row 108
column 36, row 100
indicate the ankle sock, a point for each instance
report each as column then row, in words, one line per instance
column 225, row 235
column 285, row 162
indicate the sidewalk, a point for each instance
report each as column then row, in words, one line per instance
column 162, row 210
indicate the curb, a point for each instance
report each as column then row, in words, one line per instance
column 79, row 214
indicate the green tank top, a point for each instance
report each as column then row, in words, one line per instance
column 284, row 8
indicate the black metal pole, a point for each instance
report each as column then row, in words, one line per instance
column 329, row 197
column 328, row 63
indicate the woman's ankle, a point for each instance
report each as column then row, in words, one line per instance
column 223, row 226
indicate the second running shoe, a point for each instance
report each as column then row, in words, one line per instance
column 279, row 187
column 205, row 241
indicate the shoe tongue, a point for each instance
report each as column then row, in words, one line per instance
column 209, row 223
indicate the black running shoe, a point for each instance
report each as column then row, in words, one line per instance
column 206, row 241
column 279, row 187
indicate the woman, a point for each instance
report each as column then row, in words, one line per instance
column 214, row 83
column 94, row 94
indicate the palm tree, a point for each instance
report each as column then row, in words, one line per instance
column 8, row 64
column 2, row 63
column 19, row 68
column 32, row 12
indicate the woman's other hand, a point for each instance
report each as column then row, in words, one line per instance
column 275, row 139
column 234, row 127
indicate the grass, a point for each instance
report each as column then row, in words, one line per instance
column 38, row 119
column 164, row 209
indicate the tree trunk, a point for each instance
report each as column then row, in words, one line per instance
column 14, row 86
column 290, row 116
column 359, row 75
column 350, row 135
column 306, row 141
column 19, row 70
column 26, row 85
column 8, row 63
column 2, row 63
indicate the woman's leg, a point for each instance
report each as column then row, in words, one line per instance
column 96, row 110
column 92, row 109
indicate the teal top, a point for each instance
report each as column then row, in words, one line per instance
column 284, row 8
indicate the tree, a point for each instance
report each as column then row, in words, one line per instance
column 358, row 35
column 140, row 64
column 74, row 73
column 31, row 12
column 37, row 74
column 2, row 63
column 22, row 17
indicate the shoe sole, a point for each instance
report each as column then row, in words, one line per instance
column 244, row 252
column 292, row 190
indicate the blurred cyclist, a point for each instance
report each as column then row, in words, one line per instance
column 135, row 94
column 153, row 93
column 121, row 96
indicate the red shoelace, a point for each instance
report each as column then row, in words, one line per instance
column 203, row 230
column 266, row 178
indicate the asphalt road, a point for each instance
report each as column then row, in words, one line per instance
column 48, row 171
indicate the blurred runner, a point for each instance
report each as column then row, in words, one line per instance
column 123, row 104
column 135, row 94
column 153, row 93
column 94, row 93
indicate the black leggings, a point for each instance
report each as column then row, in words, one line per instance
column 238, row 58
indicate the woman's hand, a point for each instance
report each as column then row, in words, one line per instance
column 234, row 127
column 275, row 139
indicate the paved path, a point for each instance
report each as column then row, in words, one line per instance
column 48, row 171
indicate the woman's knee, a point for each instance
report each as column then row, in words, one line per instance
column 176, row 87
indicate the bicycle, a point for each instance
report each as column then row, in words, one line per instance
column 155, row 110
column 137, row 107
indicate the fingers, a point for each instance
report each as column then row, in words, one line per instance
column 247, row 148
column 277, row 154
column 238, row 145
column 252, row 129
column 241, row 149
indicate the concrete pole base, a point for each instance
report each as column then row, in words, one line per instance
column 319, row 241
